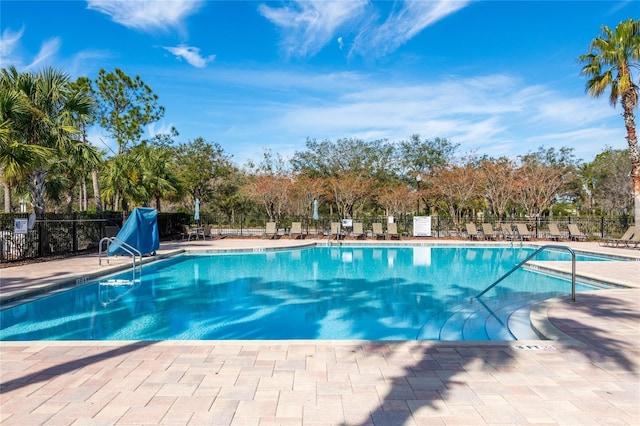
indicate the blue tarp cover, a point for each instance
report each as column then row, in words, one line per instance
column 139, row 231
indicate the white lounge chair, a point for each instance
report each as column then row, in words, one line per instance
column 296, row 230
column 488, row 232
column 507, row 232
column 472, row 231
column 271, row 230
column 336, row 231
column 377, row 230
column 614, row 242
column 635, row 240
column 575, row 233
column 554, row 232
column 358, row 230
column 392, row 231
column 523, row 231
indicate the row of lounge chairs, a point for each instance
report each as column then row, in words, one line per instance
column 337, row 231
column 520, row 231
column 502, row 232
column 630, row 239
column 573, row 233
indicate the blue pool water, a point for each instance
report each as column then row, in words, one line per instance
column 345, row 292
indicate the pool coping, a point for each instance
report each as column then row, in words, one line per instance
column 560, row 269
column 543, row 327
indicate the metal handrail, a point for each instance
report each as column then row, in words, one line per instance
column 132, row 251
column 548, row 246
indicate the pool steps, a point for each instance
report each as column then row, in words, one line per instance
column 509, row 322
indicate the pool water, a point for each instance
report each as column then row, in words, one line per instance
column 340, row 292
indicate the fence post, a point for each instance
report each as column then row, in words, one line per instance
column 74, row 231
column 40, row 238
column 602, row 227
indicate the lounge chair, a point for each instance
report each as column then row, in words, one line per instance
column 614, row 242
column 296, row 231
column 336, row 230
column 523, row 231
column 507, row 232
column 271, row 230
column 358, row 231
column 554, row 232
column 488, row 232
column 392, row 231
column 472, row 231
column 574, row 232
column 377, row 230
column 635, row 240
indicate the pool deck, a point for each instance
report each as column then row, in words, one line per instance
column 586, row 373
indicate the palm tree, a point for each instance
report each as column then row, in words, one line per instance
column 15, row 157
column 15, row 160
column 120, row 181
column 159, row 177
column 74, row 165
column 608, row 66
column 51, row 110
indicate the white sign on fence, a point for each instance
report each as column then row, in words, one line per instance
column 422, row 226
column 20, row 226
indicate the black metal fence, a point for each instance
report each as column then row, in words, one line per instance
column 59, row 234
column 22, row 238
column 441, row 227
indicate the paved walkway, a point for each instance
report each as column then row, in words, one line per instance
column 588, row 373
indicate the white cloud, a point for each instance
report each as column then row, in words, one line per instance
column 147, row 15
column 572, row 111
column 307, row 26
column 10, row 50
column 494, row 114
column 48, row 49
column 12, row 53
column 155, row 129
column 8, row 42
column 191, row 55
column 403, row 25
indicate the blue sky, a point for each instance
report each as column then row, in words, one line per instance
column 496, row 77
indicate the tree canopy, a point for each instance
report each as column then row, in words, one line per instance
column 45, row 150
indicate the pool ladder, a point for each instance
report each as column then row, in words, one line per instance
column 129, row 249
column 548, row 246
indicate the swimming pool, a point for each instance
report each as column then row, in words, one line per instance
column 332, row 292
